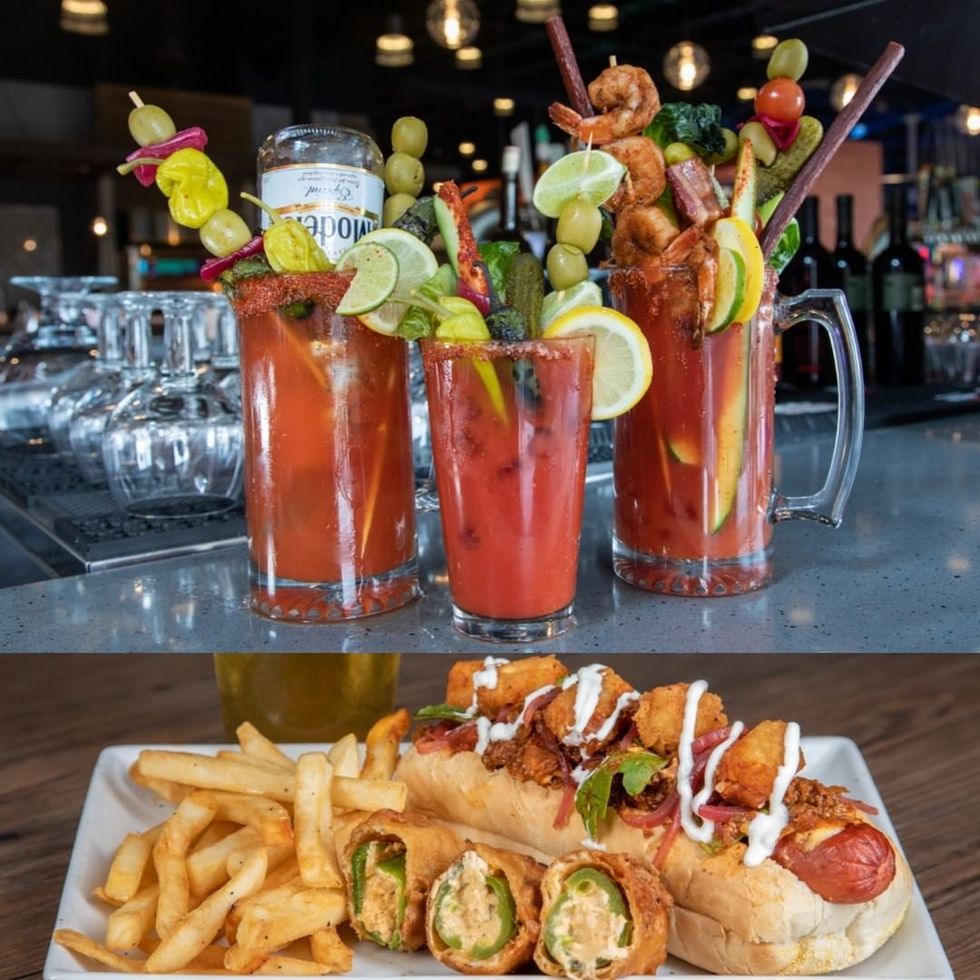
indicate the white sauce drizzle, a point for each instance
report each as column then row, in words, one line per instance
column 486, row 678
column 593, row 845
column 589, row 680
column 627, row 697
column 685, row 758
column 707, row 829
column 765, row 828
column 504, row 731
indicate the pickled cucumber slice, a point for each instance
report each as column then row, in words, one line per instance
column 778, row 177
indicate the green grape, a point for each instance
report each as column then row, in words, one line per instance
column 149, row 124
column 409, row 135
column 579, row 224
column 404, row 174
column 788, row 60
column 678, row 153
column 566, row 266
column 225, row 232
column 395, row 207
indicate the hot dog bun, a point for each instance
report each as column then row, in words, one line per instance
column 727, row 918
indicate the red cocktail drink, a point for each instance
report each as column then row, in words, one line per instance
column 510, row 425
column 693, row 460
column 329, row 489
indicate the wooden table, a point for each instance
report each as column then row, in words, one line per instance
column 914, row 718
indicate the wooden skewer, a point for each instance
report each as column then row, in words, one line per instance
column 843, row 123
column 575, row 88
column 136, row 100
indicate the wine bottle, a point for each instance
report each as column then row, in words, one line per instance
column 898, row 276
column 807, row 358
column 855, row 276
column 510, row 225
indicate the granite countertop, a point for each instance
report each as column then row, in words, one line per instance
column 899, row 575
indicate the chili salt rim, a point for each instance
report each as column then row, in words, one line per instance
column 558, row 349
column 265, row 294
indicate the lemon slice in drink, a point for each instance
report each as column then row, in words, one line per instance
column 583, row 293
column 733, row 233
column 416, row 266
column 590, row 175
column 375, row 277
column 623, row 367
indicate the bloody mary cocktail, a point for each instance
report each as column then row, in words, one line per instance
column 329, row 490
column 510, row 427
column 693, row 460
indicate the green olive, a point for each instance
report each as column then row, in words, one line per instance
column 149, row 125
column 404, row 174
column 225, row 232
column 395, row 207
column 678, row 153
column 566, row 266
column 579, row 224
column 409, row 135
column 788, row 60
column 731, row 147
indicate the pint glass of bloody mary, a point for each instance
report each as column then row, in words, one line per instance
column 510, row 431
column 693, row 461
column 329, row 491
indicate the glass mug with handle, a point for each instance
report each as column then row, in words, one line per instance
column 693, row 461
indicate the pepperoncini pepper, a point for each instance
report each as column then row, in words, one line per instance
column 193, row 185
column 289, row 246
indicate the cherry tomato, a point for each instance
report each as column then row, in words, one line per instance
column 780, row 99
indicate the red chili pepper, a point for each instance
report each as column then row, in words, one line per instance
column 214, row 267
column 195, row 137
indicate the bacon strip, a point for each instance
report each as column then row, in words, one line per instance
column 695, row 196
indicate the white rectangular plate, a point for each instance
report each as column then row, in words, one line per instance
column 115, row 806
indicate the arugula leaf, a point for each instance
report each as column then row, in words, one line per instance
column 786, row 247
column 637, row 768
column 697, row 125
column 498, row 257
column 442, row 712
column 712, row 847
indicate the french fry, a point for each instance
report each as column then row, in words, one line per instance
column 216, row 831
column 207, row 868
column 269, row 818
column 191, row 817
column 382, row 744
column 292, row 966
column 311, row 822
column 100, row 893
column 256, row 745
column 211, row 959
column 369, row 794
column 206, row 772
column 164, row 788
column 79, row 943
column 262, row 779
column 129, row 924
column 129, row 863
column 276, row 856
column 266, row 927
column 329, row 950
column 344, row 757
column 196, row 930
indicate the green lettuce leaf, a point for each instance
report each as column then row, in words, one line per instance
column 441, row 712
column 498, row 257
column 637, row 768
column 697, row 125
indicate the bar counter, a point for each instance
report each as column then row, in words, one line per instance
column 899, row 575
column 899, row 710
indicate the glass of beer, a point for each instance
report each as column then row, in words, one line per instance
column 306, row 697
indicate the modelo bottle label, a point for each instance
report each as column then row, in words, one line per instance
column 337, row 204
column 902, row 292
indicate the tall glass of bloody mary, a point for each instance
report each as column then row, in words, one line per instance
column 329, row 490
column 692, row 467
column 510, row 427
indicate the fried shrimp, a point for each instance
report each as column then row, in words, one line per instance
column 644, row 161
column 642, row 231
column 627, row 101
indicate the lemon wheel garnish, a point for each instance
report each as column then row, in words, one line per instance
column 623, row 366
